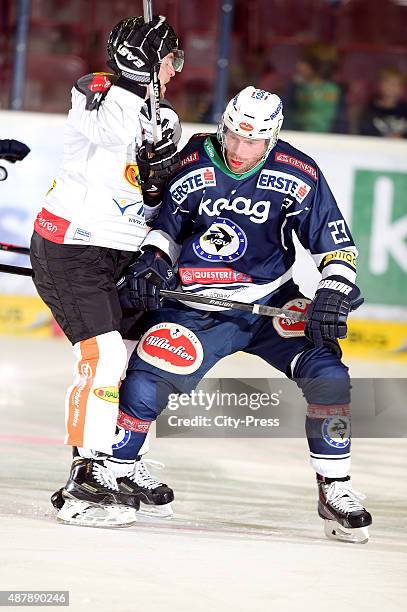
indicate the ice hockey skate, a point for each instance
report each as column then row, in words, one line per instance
column 91, row 497
column 155, row 496
column 346, row 519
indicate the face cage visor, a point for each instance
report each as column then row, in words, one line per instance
column 177, row 60
column 222, row 131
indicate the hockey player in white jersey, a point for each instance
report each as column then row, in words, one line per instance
column 227, row 220
column 92, row 222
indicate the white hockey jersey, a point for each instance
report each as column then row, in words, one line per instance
column 96, row 198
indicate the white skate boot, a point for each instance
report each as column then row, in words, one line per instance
column 345, row 517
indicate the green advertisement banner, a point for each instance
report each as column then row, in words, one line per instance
column 379, row 228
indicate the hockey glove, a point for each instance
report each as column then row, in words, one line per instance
column 13, row 150
column 144, row 279
column 145, row 47
column 327, row 314
column 156, row 163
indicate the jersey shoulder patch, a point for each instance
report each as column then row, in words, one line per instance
column 283, row 153
column 94, row 87
column 194, row 151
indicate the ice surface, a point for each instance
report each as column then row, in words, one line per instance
column 245, row 537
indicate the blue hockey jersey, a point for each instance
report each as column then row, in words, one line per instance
column 232, row 233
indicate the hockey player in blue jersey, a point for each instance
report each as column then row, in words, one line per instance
column 227, row 221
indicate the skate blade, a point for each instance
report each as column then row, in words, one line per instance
column 335, row 531
column 83, row 514
column 163, row 512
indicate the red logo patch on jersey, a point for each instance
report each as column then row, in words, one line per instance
column 246, row 127
column 51, row 226
column 209, row 176
column 297, row 163
column 171, row 347
column 190, row 159
column 211, row 276
column 287, row 328
column 100, row 82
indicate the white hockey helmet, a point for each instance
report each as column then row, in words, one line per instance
column 255, row 114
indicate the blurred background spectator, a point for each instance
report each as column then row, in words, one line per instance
column 329, row 51
column 314, row 102
column 386, row 114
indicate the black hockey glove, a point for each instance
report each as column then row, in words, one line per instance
column 140, row 288
column 13, row 150
column 156, row 163
column 327, row 314
column 145, row 47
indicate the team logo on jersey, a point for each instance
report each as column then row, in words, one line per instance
column 171, row 347
column 132, row 175
column 284, row 183
column 336, row 431
column 193, row 181
column 287, row 328
column 108, row 394
column 222, row 241
column 121, row 438
column 257, row 212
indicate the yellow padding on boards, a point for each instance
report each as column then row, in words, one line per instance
column 371, row 339
column 25, row 315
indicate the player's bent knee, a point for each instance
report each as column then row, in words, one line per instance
column 322, row 377
column 144, row 395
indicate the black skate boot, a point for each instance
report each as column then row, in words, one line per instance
column 91, row 497
column 155, row 496
column 345, row 518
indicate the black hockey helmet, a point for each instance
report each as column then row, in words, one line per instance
column 122, row 31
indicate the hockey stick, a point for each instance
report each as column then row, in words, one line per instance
column 21, row 271
column 259, row 309
column 184, row 296
column 13, row 248
column 154, row 87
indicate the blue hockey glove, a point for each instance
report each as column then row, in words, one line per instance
column 327, row 314
column 140, row 288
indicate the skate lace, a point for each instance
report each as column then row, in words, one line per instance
column 104, row 476
column 343, row 497
column 142, row 476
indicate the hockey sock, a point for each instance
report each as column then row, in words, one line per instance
column 130, row 436
column 328, row 433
